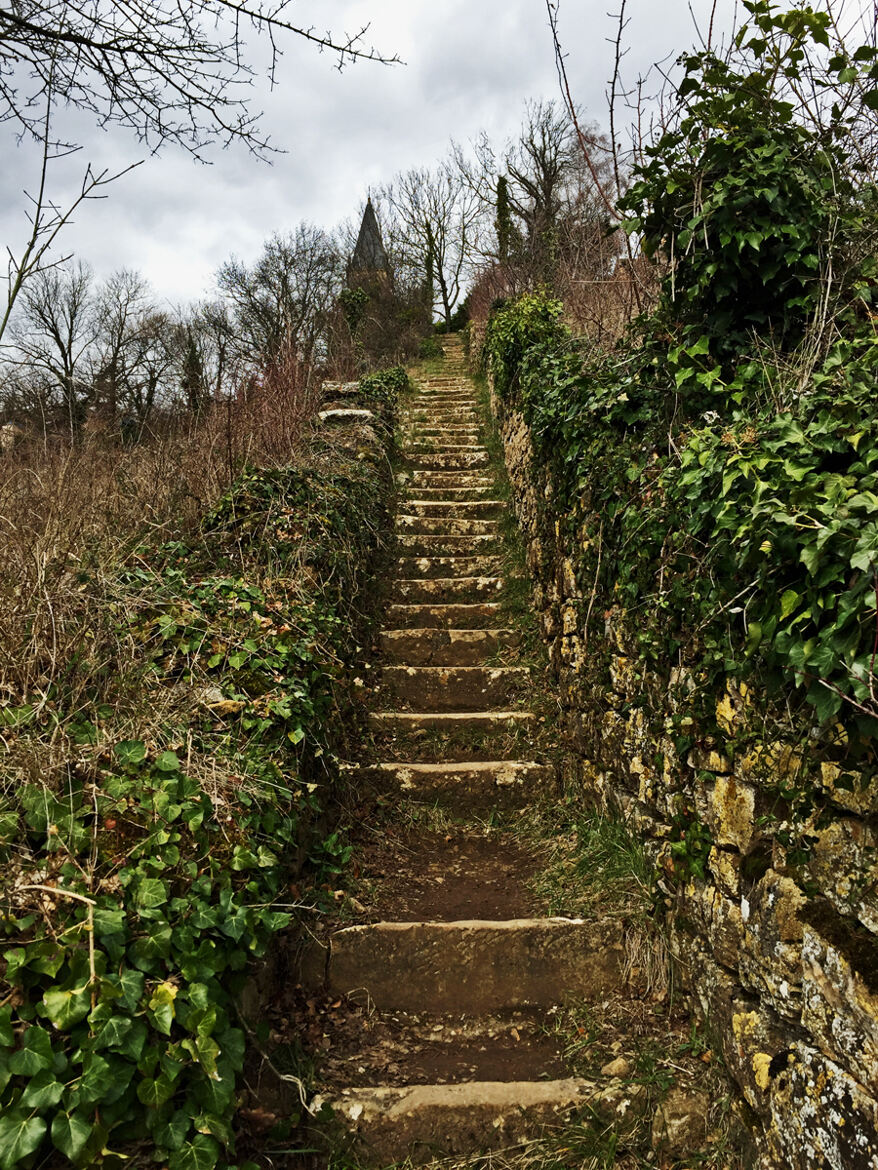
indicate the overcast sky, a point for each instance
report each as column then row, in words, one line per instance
column 469, row 65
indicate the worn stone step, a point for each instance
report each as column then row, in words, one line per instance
column 444, row 526
column 411, row 1048
column 449, row 720
column 471, row 785
column 420, row 479
column 444, row 617
column 469, row 566
column 415, row 451
column 470, row 509
column 439, row 428
column 427, row 545
column 437, row 401
column 451, row 414
column 416, row 1123
column 456, row 461
column 421, row 434
column 446, row 590
column 475, row 967
column 453, row 688
column 487, row 491
column 435, row 647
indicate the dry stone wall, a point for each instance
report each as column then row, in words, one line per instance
column 775, row 945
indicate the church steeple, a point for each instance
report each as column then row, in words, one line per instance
column 369, row 256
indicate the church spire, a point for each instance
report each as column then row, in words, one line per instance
column 369, row 255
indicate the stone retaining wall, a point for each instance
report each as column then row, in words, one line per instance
column 778, row 953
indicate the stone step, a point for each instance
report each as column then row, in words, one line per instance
column 471, row 785
column 436, row 398
column 443, row 617
column 407, row 721
column 430, row 427
column 414, row 450
column 435, row 647
column 448, row 493
column 465, row 433
column 446, row 590
column 392, row 1125
column 419, row 568
column 406, row 1048
column 444, row 526
column 423, row 478
column 455, row 415
column 455, row 461
column 474, row 967
column 472, row 509
column 431, row 545
column 453, row 688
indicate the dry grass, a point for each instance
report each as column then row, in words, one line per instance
column 70, row 516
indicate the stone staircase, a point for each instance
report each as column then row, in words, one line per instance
column 464, row 1062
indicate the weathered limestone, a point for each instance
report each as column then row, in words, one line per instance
column 474, row 967
column 466, row 1118
column 433, row 647
column 448, row 720
column 447, row 688
column 419, row 568
column 457, row 616
column 474, row 785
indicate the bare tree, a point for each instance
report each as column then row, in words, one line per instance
column 282, row 300
column 53, row 336
column 178, row 72
column 437, row 217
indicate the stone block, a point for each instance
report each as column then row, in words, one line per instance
column 821, row 1117
column 771, row 955
column 840, row 993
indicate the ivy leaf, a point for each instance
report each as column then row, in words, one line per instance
column 66, row 1008
column 35, row 1053
column 200, row 1154
column 70, row 1132
column 168, row 762
column 788, row 602
column 173, row 1132
column 7, row 1035
column 20, row 1135
column 161, row 1007
column 154, row 1093
column 131, row 751
column 150, row 892
column 42, row 1091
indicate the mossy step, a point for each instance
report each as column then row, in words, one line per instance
column 419, row 568
column 446, row 590
column 424, row 478
column 472, row 509
column 414, row 1124
column 438, row 447
column 453, row 688
column 475, row 494
column 432, row 545
column 444, row 617
column 444, row 526
column 470, row 785
column 475, row 967
column 434, row 647
column 449, row 720
column 458, row 461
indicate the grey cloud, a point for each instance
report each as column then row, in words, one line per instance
column 469, row 66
